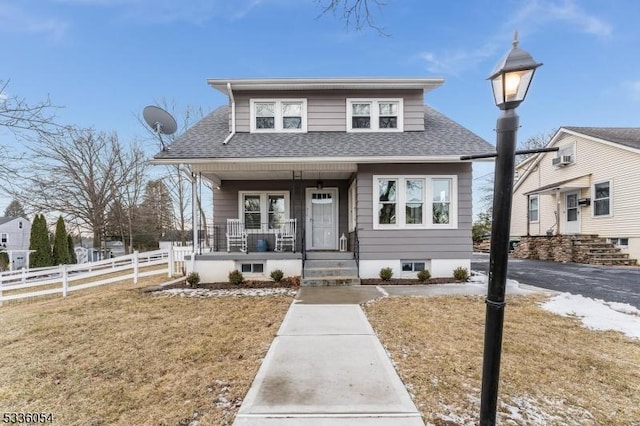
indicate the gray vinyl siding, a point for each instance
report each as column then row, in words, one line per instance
column 387, row 244
column 327, row 109
column 226, row 204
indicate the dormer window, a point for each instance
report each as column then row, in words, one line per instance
column 374, row 115
column 278, row 115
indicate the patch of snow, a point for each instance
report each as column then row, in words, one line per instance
column 512, row 286
column 596, row 314
column 382, row 291
column 235, row 292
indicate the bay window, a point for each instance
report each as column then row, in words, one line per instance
column 405, row 202
column 367, row 115
column 278, row 115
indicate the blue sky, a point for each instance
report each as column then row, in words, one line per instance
column 104, row 60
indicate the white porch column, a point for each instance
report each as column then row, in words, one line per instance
column 194, row 217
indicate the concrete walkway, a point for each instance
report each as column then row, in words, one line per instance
column 327, row 367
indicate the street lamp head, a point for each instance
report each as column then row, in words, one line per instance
column 512, row 76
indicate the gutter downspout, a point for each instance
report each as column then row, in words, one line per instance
column 233, row 115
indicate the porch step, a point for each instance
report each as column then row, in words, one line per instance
column 330, row 272
column 329, row 255
column 329, row 281
column 613, row 261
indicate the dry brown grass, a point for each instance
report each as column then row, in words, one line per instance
column 554, row 371
column 112, row 355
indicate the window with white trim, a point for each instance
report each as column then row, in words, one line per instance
column 278, row 115
column 252, row 268
column 568, row 151
column 374, row 115
column 4, row 238
column 620, row 242
column 441, row 206
column 602, row 199
column 413, row 265
column 262, row 211
column 534, row 208
column 406, row 202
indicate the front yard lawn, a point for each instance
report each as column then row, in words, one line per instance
column 114, row 355
column 554, row 371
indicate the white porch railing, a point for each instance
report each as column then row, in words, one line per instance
column 64, row 278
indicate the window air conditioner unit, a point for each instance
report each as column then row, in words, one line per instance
column 563, row 160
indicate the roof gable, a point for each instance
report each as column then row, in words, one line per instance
column 626, row 136
column 621, row 137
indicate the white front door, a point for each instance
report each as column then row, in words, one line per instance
column 571, row 213
column 322, row 219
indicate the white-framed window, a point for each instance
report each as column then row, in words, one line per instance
column 374, row 115
column 568, row 150
column 263, row 211
column 4, row 238
column 406, row 202
column 620, row 242
column 252, row 268
column 278, row 115
column 534, row 208
column 602, row 199
column 409, row 266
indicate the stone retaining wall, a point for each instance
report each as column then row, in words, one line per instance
column 559, row 248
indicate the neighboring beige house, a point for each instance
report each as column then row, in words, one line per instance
column 590, row 186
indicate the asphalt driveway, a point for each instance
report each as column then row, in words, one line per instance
column 610, row 283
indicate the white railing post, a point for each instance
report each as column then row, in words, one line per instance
column 24, row 276
column 1, row 289
column 135, row 267
column 171, row 262
column 65, row 281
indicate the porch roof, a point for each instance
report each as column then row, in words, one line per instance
column 442, row 140
column 564, row 185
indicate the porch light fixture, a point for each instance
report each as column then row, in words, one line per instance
column 512, row 76
column 510, row 82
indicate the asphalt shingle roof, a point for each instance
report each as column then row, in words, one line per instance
column 6, row 219
column 627, row 136
column 442, row 137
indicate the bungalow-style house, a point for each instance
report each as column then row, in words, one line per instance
column 331, row 179
column 15, row 233
column 589, row 187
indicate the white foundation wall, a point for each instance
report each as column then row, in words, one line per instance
column 218, row 270
column 439, row 268
column 633, row 249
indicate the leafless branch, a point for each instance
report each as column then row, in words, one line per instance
column 355, row 13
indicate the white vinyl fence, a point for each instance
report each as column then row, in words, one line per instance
column 63, row 279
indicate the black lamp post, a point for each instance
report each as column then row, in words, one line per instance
column 510, row 82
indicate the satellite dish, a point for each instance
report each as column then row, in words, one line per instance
column 160, row 121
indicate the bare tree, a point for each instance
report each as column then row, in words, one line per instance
column 22, row 119
column 178, row 177
column 17, row 115
column 77, row 173
column 129, row 195
column 539, row 140
column 356, row 13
